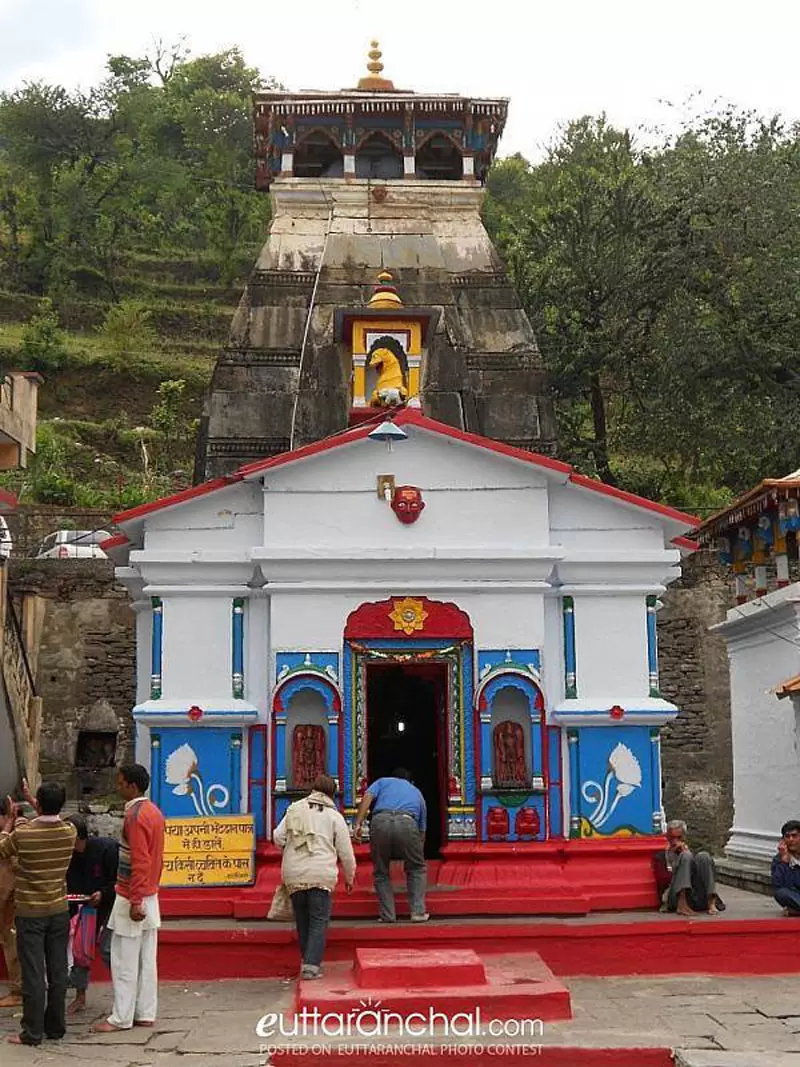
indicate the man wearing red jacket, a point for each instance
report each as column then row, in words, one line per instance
column 135, row 918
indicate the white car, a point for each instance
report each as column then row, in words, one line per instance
column 73, row 544
column 6, row 541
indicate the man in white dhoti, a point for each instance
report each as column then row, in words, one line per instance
column 135, row 918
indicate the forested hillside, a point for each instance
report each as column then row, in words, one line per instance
column 664, row 287
column 663, row 281
column 128, row 223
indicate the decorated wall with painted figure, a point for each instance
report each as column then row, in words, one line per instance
column 510, row 663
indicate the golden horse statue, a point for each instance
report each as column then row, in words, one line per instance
column 390, row 390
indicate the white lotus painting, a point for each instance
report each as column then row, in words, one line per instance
column 623, row 776
column 183, row 773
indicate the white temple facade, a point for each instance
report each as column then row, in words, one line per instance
column 483, row 615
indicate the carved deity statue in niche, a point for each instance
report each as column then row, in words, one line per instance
column 387, row 357
column 497, row 824
column 308, row 755
column 509, row 756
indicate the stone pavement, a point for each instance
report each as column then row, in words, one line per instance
column 715, row 1022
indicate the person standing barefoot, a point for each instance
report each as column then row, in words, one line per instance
column 135, row 918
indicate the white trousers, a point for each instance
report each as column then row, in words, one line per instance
column 134, row 978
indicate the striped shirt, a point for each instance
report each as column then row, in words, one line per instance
column 43, row 850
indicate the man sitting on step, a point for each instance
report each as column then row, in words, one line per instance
column 786, row 869
column 396, row 832
column 688, row 880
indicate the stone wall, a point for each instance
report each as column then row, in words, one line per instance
column 284, row 376
column 696, row 748
column 85, row 672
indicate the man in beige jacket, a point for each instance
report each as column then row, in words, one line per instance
column 8, row 936
column 8, row 930
column 314, row 838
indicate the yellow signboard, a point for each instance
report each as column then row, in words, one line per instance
column 209, row 851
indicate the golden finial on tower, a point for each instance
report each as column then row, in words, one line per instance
column 374, row 82
column 385, row 294
column 375, row 66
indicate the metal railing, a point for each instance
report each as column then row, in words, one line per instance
column 14, row 648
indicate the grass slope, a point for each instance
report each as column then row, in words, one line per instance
column 117, row 423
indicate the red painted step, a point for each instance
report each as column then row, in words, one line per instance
column 446, row 983
column 378, row 968
column 660, row 946
column 531, row 878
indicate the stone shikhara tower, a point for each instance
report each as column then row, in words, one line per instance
column 363, row 181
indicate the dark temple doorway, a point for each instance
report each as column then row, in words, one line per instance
column 406, row 728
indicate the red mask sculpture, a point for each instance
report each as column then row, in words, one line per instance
column 407, row 503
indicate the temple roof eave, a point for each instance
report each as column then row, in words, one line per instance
column 748, row 506
column 362, row 96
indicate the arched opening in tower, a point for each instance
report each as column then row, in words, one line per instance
column 318, row 156
column 377, row 157
column 439, row 159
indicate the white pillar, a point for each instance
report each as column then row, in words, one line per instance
column 761, row 580
column 782, row 570
column 409, row 166
column 349, row 164
column 469, row 167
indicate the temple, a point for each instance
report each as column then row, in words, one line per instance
column 480, row 613
column 366, row 581
column 360, row 181
column 756, row 541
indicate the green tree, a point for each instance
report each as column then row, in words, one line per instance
column 662, row 285
column 576, row 236
column 43, row 343
column 724, row 371
column 127, row 330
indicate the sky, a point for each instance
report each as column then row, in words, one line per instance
column 638, row 61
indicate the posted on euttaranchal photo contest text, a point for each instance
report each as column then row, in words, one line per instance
column 371, row 1030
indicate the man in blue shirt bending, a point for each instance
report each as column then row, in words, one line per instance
column 396, row 832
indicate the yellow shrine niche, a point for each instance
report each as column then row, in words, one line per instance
column 386, row 342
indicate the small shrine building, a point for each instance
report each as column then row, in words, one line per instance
column 382, row 564
column 756, row 539
column 480, row 614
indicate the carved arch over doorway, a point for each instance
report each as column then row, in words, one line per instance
column 408, row 616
